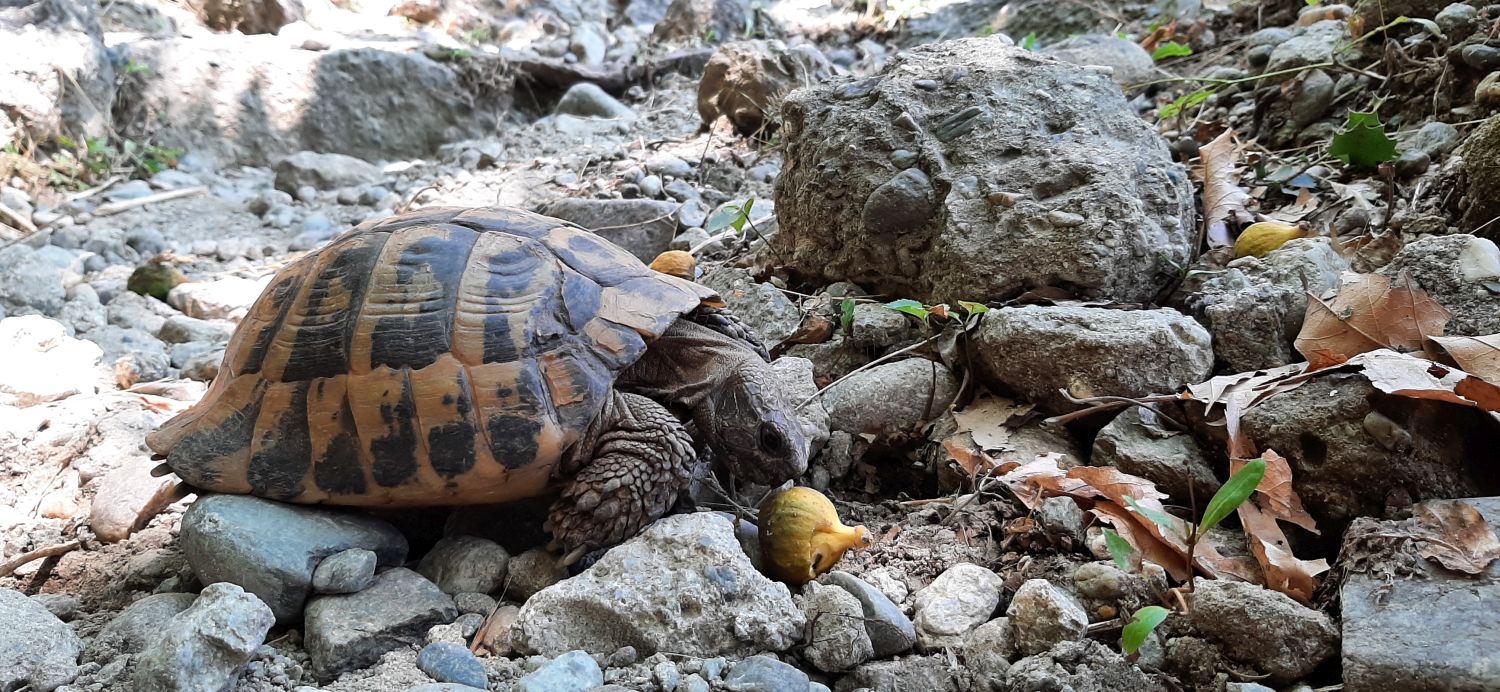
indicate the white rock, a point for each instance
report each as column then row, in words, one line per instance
column 1044, row 615
column 203, row 646
column 225, row 299
column 963, row 597
column 42, row 363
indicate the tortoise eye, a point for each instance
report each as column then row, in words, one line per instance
column 771, row 439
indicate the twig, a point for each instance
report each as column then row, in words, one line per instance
column 16, row 219
column 1105, row 404
column 9, row 567
column 869, row 365
column 124, row 205
column 101, row 187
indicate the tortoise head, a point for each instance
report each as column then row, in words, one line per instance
column 752, row 425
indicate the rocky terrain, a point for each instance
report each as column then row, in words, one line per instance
column 1050, row 275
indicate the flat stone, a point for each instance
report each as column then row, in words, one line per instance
column 323, row 171
column 127, row 499
column 575, row 670
column 764, row 674
column 448, row 662
column 350, row 631
column 890, row 631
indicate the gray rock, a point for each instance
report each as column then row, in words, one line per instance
column 1061, row 518
column 136, row 626
column 182, row 329
column 366, row 102
column 651, row 188
column 695, row 20
column 448, row 662
column 989, row 649
column 1264, row 629
column 764, row 674
column 963, row 597
column 28, row 282
column 1099, row 584
column 1481, row 57
column 666, row 675
column 147, row 242
column 224, row 299
column 350, row 631
column 891, row 401
column 1436, row 139
column 762, row 306
column 323, row 171
column 1130, row 63
column 271, row 549
column 745, row 82
column 881, row 327
column 43, row 363
column 1315, row 44
column 61, row 79
column 575, row 670
column 63, row 606
column 795, row 378
column 1254, row 309
column 37, row 650
column 908, row 673
column 461, row 564
column 668, row 166
column 1462, row 273
column 588, row 43
column 477, row 603
column 1173, row 460
column 1043, row 615
column 1302, row 103
column 643, row 227
column 837, row 138
column 1083, row 666
column 204, row 366
column 133, row 189
column 836, row 640
column 1432, row 632
column 1119, row 353
column 174, row 180
column 890, row 631
column 426, row 687
column 202, row 647
column 683, row 585
column 587, row 100
column 1457, row 20
column 532, row 571
column 346, row 571
column 682, row 191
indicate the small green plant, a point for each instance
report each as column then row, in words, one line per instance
column 1362, row 142
column 846, row 314
column 1171, row 49
column 710, row 35
column 1189, row 100
column 133, row 67
column 97, row 159
column 1141, row 626
column 730, row 216
column 1029, row 41
column 478, row 36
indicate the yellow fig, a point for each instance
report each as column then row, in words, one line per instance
column 1261, row 238
column 801, row 536
column 676, row 263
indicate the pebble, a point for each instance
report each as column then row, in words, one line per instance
column 587, row 100
column 479, row 603
column 901, row 204
column 961, row 598
column 1435, row 138
column 835, row 638
column 890, row 631
column 1412, row 164
column 347, row 571
column 462, row 564
column 667, row 165
column 1061, row 517
column 1481, row 57
column 134, row 189
column 1044, row 615
column 666, row 675
column 575, row 670
column 681, row 190
column 350, row 631
column 764, row 674
column 651, row 186
column 201, row 647
column 532, row 571
column 1457, row 20
column 447, row 662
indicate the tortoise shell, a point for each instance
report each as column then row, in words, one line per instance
column 444, row 356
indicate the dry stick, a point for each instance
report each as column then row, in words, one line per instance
column 1104, row 404
column 117, row 207
column 869, row 365
column 17, row 220
column 8, row 568
column 101, row 187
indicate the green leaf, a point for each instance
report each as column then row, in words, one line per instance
column 1029, row 42
column 1161, row 519
column 744, row 215
column 910, row 307
column 1233, row 494
column 1119, row 549
column 973, row 308
column 1170, row 49
column 1313, row 3
column 1362, row 142
column 1184, row 102
column 846, row 314
column 1141, row 626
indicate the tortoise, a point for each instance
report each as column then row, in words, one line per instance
column 455, row 356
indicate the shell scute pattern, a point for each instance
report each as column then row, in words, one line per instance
column 440, row 357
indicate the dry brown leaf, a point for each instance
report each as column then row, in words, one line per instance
column 962, row 450
column 1031, row 481
column 1283, row 571
column 1116, row 486
column 1461, row 540
column 1369, row 312
column 1132, row 528
column 1306, row 204
column 1405, row 375
column 1275, row 491
column 1411, row 316
column 1223, row 198
column 814, row 329
column 1218, row 389
column 1477, row 355
column 986, row 420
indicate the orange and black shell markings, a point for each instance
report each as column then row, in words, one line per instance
column 444, row 356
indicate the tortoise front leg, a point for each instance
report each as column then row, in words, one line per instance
column 724, row 321
column 637, row 458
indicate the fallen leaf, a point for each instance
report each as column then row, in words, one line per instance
column 986, row 420
column 1216, row 390
column 1283, row 571
column 1461, row 540
column 814, row 329
column 1306, row 204
column 1410, row 315
column 1223, row 198
column 1369, row 312
column 1477, row 355
column 1362, row 142
column 1406, row 375
column 962, row 450
column 1150, row 548
column 1276, row 494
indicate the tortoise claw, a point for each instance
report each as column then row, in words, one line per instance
column 573, row 556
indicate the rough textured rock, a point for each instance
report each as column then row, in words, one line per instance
column 1254, row 309
column 449, row 662
column 350, row 631
column 683, row 585
column 43, row 363
column 1481, row 176
column 36, row 649
column 323, row 172
column 1432, row 631
column 575, row 670
column 56, row 76
column 28, row 283
column 926, row 673
column 891, row 401
column 532, row 571
column 346, row 571
column 746, row 80
column 226, row 298
column 1129, row 61
column 963, row 597
column 136, row 626
column 1108, row 352
column 836, row 639
column 1043, row 616
column 245, row 99
column 1462, row 273
column 1335, row 428
column 982, row 187
column 271, row 549
column 465, row 564
column 795, row 375
column 761, row 305
column 989, row 650
column 1271, row 632
column 764, row 674
column 203, row 646
column 695, row 20
column 890, row 631
column 1081, row 666
column 1172, row 460
column 643, row 227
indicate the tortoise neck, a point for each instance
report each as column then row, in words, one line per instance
column 686, row 364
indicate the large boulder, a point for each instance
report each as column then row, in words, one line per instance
column 248, row 99
column 55, row 73
column 683, row 586
column 746, row 80
column 969, row 170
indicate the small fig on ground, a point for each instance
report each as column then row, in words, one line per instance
column 801, row 536
column 676, row 263
column 1261, row 238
